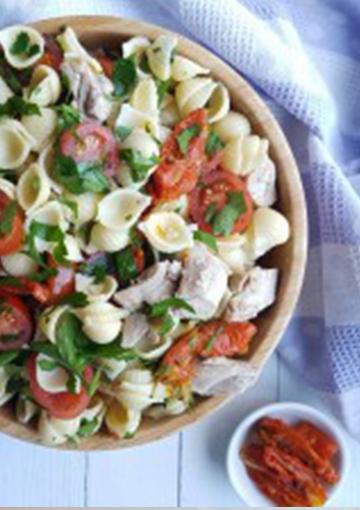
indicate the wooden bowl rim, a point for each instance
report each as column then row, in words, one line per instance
column 124, row 28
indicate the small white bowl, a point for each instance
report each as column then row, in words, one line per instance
column 290, row 412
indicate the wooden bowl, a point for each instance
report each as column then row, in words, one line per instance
column 95, row 31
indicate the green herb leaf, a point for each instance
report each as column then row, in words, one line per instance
column 10, row 281
column 123, row 76
column 183, row 139
column 94, row 383
column 22, row 45
column 213, row 144
column 97, row 269
column 9, row 76
column 68, row 328
column 139, row 165
column 80, row 177
column 70, row 204
column 49, row 233
column 123, row 132
column 210, row 213
column 7, row 357
column 48, row 365
column 16, row 106
column 76, row 300
column 161, row 308
column 87, row 428
column 166, row 325
column 162, row 89
column 206, row 238
column 42, row 276
column 125, row 265
column 7, row 218
column 224, row 220
column 144, row 64
column 68, row 116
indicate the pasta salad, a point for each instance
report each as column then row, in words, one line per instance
column 134, row 206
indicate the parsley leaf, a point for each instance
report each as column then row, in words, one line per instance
column 96, row 269
column 16, row 106
column 68, row 116
column 7, row 218
column 123, row 76
column 80, row 177
column 162, row 89
column 22, row 45
column 87, row 428
column 210, row 212
column 70, row 204
column 8, row 357
column 49, row 233
column 42, row 276
column 206, row 238
column 94, row 383
column 125, row 265
column 123, row 132
column 224, row 220
column 183, row 139
column 139, row 165
column 166, row 325
column 9, row 76
column 48, row 365
column 76, row 300
column 162, row 307
column 213, row 144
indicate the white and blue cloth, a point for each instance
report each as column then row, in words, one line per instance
column 304, row 59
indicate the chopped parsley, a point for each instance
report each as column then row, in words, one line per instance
column 184, row 138
column 87, row 428
column 81, row 177
column 68, row 116
column 7, row 218
column 123, row 76
column 125, row 265
column 49, row 233
column 213, row 144
column 139, row 165
column 16, row 106
column 22, row 46
column 123, row 132
column 162, row 307
column 224, row 220
column 206, row 238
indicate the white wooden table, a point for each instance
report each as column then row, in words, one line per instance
column 186, row 469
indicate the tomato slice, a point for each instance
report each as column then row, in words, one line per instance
column 214, row 190
column 62, row 284
column 12, row 241
column 139, row 257
column 218, row 338
column 53, row 56
column 179, row 170
column 107, row 64
column 16, row 327
column 91, row 142
column 63, row 405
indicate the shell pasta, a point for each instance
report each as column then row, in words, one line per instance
column 135, row 203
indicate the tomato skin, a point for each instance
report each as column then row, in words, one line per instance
column 11, row 242
column 91, row 143
column 53, row 56
column 214, row 189
column 107, row 64
column 63, row 405
column 62, row 284
column 139, row 257
column 178, row 173
column 14, row 318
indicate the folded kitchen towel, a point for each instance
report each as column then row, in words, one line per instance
column 303, row 58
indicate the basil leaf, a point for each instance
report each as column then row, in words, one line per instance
column 80, row 177
column 224, row 220
column 76, row 300
column 125, row 265
column 123, row 76
column 206, row 238
column 213, row 144
column 8, row 357
column 161, row 308
column 183, row 139
column 123, row 132
column 16, row 106
column 7, row 218
column 68, row 116
column 210, row 213
column 87, row 428
column 22, row 45
column 48, row 365
column 139, row 165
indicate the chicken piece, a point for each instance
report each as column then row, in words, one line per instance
column 252, row 293
column 135, row 327
column 203, row 284
column 155, row 284
column 261, row 184
column 91, row 91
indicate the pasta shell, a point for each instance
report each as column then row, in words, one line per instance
column 169, row 113
column 242, row 155
column 49, row 321
column 96, row 410
column 5, row 91
column 101, row 321
column 73, row 50
column 42, row 127
column 46, row 161
column 179, row 205
column 51, row 213
column 33, row 188
column 136, row 388
column 193, row 94
column 135, row 46
column 219, row 103
column 121, row 421
column 113, row 368
column 25, row 409
column 160, row 55
column 268, row 229
column 145, row 97
column 175, row 406
column 233, row 251
column 167, row 232
column 132, row 118
column 18, row 264
column 87, row 206
column 108, row 239
column 9, row 35
column 233, row 125
column 183, row 69
column 45, row 86
column 149, row 349
column 122, row 208
column 15, row 144
column 52, row 381
column 73, row 249
column 54, row 431
column 8, row 188
column 96, row 292
column 261, row 184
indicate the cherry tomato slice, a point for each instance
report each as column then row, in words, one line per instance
column 177, row 172
column 107, row 64
column 139, row 257
column 12, row 241
column 214, row 190
column 16, row 327
column 91, row 142
column 53, row 56
column 63, row 405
